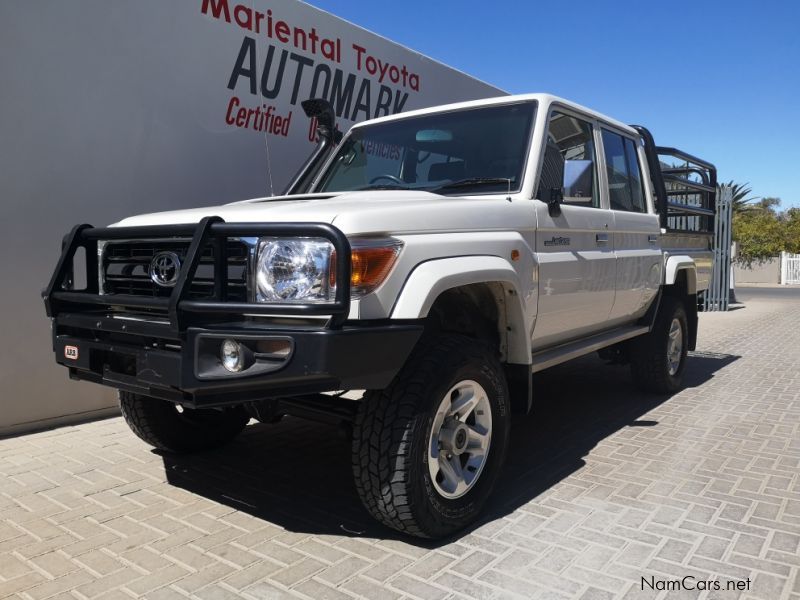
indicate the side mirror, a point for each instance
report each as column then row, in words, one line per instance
column 554, row 202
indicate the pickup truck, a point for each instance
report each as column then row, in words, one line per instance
column 414, row 276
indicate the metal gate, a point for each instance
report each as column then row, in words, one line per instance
column 790, row 269
column 717, row 295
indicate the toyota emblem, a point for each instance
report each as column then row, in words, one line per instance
column 164, row 269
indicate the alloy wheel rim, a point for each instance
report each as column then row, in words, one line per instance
column 675, row 347
column 461, row 434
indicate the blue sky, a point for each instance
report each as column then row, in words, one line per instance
column 720, row 80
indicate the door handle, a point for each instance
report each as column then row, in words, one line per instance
column 652, row 238
column 601, row 238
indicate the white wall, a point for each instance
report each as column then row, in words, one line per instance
column 768, row 271
column 112, row 108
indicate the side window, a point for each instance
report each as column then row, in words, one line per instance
column 625, row 186
column 569, row 162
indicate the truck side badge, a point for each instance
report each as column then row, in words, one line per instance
column 557, row 241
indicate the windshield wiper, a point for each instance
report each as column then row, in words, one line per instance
column 473, row 182
column 382, row 186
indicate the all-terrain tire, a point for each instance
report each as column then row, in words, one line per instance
column 163, row 425
column 392, row 433
column 650, row 354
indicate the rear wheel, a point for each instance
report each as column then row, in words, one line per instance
column 170, row 427
column 427, row 450
column 658, row 359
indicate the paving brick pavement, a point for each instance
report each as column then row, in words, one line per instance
column 604, row 486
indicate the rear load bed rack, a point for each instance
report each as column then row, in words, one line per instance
column 685, row 187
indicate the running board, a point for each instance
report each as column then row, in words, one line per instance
column 554, row 356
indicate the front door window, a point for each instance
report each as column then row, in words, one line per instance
column 569, row 162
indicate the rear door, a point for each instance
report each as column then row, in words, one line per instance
column 577, row 270
column 635, row 224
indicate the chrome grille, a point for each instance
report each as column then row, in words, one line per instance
column 125, row 269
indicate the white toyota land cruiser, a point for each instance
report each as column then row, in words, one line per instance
column 413, row 277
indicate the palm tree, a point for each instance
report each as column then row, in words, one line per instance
column 740, row 193
column 768, row 204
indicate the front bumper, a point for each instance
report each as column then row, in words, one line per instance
column 169, row 347
column 144, row 357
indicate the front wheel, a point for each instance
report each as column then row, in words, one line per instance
column 428, row 449
column 658, row 359
column 169, row 427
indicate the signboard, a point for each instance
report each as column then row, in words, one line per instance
column 278, row 54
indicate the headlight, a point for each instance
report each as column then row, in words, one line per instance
column 303, row 269
column 294, row 270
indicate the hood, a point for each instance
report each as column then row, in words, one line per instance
column 373, row 211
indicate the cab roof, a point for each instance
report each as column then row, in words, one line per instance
column 541, row 98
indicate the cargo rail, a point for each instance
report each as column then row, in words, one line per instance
column 685, row 187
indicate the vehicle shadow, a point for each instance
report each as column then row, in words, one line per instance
column 296, row 474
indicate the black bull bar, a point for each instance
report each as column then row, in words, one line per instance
column 59, row 297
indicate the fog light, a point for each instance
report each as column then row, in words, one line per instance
column 233, row 356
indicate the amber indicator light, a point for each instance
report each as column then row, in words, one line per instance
column 370, row 266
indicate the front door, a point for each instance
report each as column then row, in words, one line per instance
column 577, row 268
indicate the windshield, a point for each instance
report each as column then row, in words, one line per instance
column 480, row 150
